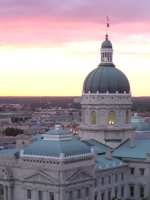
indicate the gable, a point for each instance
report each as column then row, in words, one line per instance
column 78, row 176
column 41, row 177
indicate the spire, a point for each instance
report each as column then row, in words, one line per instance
column 106, row 48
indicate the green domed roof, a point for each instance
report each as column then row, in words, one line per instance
column 55, row 148
column 54, row 143
column 106, row 78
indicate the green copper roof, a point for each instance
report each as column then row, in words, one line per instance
column 8, row 152
column 58, row 132
column 140, row 124
column 138, row 151
column 55, row 148
column 106, row 78
column 104, row 163
column 98, row 147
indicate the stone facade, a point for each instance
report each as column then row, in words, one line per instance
column 35, row 178
column 74, row 178
column 104, row 130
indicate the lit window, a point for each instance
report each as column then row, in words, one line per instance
column 29, row 195
column 111, row 118
column 93, row 117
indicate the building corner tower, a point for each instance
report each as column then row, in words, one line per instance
column 106, row 102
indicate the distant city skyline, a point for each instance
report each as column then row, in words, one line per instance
column 47, row 48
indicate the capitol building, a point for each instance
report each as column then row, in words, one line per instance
column 105, row 162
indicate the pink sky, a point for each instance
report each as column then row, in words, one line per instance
column 36, row 21
column 67, row 27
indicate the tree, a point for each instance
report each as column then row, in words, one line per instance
column 12, row 131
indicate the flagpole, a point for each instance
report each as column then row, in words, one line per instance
column 107, row 26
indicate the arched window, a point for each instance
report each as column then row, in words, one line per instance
column 111, row 118
column 127, row 117
column 93, row 117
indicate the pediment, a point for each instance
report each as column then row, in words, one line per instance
column 79, row 175
column 41, row 177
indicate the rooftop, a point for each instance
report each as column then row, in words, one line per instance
column 98, row 147
column 102, row 162
column 138, row 150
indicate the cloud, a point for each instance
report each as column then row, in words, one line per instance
column 82, row 10
column 55, row 21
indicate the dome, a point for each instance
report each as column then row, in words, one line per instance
column 106, row 78
column 57, row 145
column 107, row 44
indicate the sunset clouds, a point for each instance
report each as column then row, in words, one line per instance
column 85, row 10
column 42, row 21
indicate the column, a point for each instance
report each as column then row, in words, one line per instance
column 6, row 192
column 82, row 193
column 4, row 195
column 126, row 191
column 35, row 195
column 109, row 194
column 112, row 192
column 61, row 193
column 57, row 195
column 136, row 192
column 91, row 193
column 45, row 195
column 147, row 190
column 119, row 191
column 9, row 193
